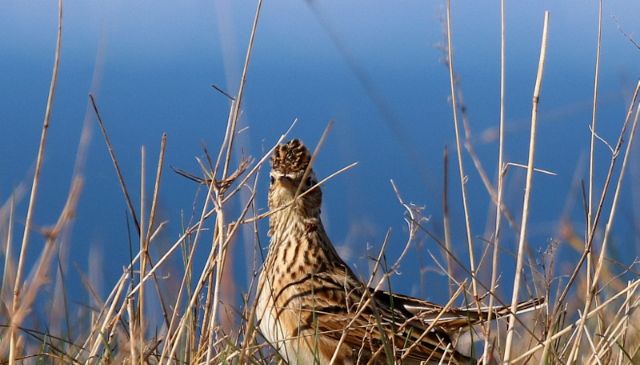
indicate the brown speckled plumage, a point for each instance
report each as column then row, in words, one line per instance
column 309, row 299
column 292, row 157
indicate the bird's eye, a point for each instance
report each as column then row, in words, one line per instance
column 272, row 180
column 309, row 181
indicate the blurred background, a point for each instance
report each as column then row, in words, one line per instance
column 376, row 68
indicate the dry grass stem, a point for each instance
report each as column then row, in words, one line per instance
column 461, row 172
column 498, row 219
column 34, row 190
column 592, row 127
column 527, row 192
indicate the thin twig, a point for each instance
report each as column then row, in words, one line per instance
column 527, row 191
column 218, row 89
column 604, row 141
column 116, row 165
column 143, row 256
column 498, row 219
column 535, row 169
column 235, row 106
column 156, row 187
column 7, row 268
column 463, row 187
column 592, row 128
column 152, row 219
column 34, row 189
column 626, row 35
column 445, row 221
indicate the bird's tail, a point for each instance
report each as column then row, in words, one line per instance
column 522, row 307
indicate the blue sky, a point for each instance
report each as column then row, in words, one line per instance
column 151, row 63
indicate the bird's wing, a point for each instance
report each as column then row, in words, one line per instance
column 374, row 326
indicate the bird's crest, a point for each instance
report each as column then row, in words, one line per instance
column 291, row 158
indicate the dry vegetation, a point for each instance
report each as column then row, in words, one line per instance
column 592, row 316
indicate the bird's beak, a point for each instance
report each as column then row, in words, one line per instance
column 287, row 182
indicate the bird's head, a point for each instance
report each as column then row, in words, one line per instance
column 288, row 166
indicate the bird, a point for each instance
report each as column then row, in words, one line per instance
column 312, row 308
